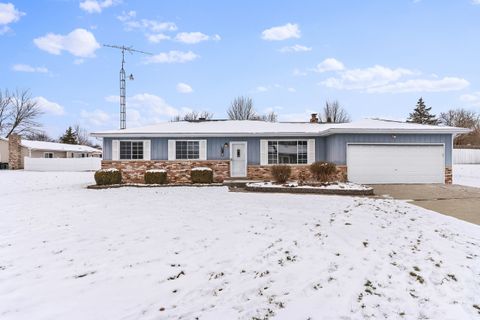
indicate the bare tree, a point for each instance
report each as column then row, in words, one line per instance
column 22, row 114
column 242, row 109
column 5, row 100
column 269, row 117
column 464, row 119
column 193, row 116
column 39, row 136
column 460, row 118
column 333, row 112
column 83, row 137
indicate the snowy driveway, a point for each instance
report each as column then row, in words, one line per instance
column 168, row 253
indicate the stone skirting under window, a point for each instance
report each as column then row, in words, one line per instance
column 256, row 172
column 177, row 171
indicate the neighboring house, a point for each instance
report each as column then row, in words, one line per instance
column 42, row 149
column 368, row 151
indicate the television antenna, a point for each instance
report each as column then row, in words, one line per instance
column 123, row 87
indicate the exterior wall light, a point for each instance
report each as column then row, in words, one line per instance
column 223, row 148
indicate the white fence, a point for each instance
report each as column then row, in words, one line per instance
column 466, row 156
column 62, row 164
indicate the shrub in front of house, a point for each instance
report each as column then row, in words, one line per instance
column 202, row 175
column 109, row 176
column 281, row 173
column 323, row 171
column 156, row 176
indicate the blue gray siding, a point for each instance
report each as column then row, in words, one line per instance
column 336, row 145
column 160, row 148
column 332, row 148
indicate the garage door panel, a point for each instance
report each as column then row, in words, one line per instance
column 396, row 163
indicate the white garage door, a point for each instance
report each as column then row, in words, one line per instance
column 388, row 163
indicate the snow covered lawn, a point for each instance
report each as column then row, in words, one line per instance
column 467, row 174
column 181, row 253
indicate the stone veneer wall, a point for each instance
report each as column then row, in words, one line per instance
column 14, row 152
column 448, row 175
column 177, row 171
column 257, row 172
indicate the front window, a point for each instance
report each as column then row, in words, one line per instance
column 287, row 152
column 131, row 150
column 48, row 155
column 187, row 150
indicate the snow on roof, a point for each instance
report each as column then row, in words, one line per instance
column 256, row 128
column 54, row 146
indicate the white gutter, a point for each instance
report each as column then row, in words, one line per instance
column 283, row 134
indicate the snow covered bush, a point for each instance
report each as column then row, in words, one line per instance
column 108, row 176
column 323, row 171
column 281, row 173
column 156, row 176
column 202, row 175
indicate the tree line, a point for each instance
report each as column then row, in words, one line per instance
column 20, row 113
column 459, row 117
column 242, row 108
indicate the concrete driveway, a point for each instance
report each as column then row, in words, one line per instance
column 454, row 200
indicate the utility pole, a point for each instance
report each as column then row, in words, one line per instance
column 123, row 85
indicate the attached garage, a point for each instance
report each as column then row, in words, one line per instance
column 396, row 163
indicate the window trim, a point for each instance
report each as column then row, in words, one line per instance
column 188, row 140
column 120, row 150
column 49, row 152
column 288, row 164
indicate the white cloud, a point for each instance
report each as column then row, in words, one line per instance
column 172, row 57
column 125, row 16
column 475, row 1
column 184, row 88
column 8, row 14
column 195, row 37
column 96, row 117
column 329, row 64
column 79, row 42
column 423, row 85
column 130, row 22
column 471, row 98
column 281, row 32
column 261, row 89
column 27, row 68
column 146, row 108
column 298, row 73
column 156, row 38
column 295, row 48
column 365, row 79
column 49, row 106
column 291, row 89
column 78, row 61
column 96, row 6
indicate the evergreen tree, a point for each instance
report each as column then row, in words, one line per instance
column 421, row 114
column 69, row 137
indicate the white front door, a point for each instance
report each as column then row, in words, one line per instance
column 238, row 159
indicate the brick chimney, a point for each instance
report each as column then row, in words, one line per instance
column 314, row 118
column 14, row 152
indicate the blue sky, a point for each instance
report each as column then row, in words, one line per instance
column 376, row 57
